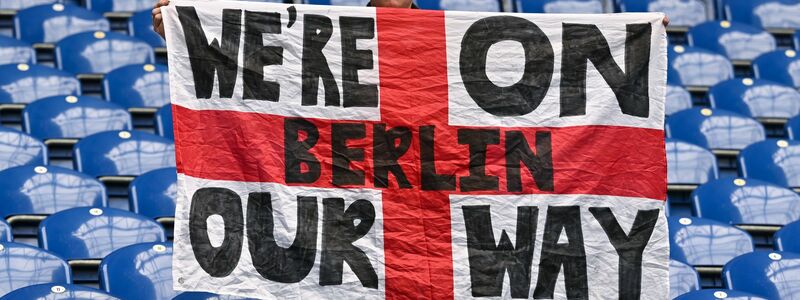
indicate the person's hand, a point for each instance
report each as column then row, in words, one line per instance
column 158, row 21
column 665, row 20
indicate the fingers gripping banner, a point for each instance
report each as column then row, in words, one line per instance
column 351, row 152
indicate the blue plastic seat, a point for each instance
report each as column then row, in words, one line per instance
column 100, row 52
column 20, row 149
column 689, row 164
column 73, row 117
column 140, row 25
column 772, row 275
column 58, row 291
column 14, row 51
column 734, row 40
column 765, row 13
column 742, row 201
column 123, row 153
column 153, row 194
column 677, row 100
column 25, row 265
column 561, row 6
column 788, row 238
column 206, row 296
column 5, row 231
column 24, row 83
column 698, row 67
column 775, row 161
column 40, row 190
column 23, row 4
column 682, row 279
column 715, row 129
column 104, row 6
column 140, row 85
column 782, row 66
column 797, row 40
column 52, row 22
column 680, row 12
column 164, row 122
column 719, row 294
column 793, row 128
column 703, row 242
column 757, row 98
column 463, row 5
column 93, row 233
column 142, row 271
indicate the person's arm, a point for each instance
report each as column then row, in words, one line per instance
column 158, row 21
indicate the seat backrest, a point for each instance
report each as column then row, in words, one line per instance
column 50, row 23
column 788, row 238
column 746, row 201
column 774, row 161
column 142, row 271
column 93, row 233
column 680, row 12
column 140, row 25
column 699, row 67
column 73, row 117
column 757, row 98
column 682, row 279
column 44, row 190
column 689, row 164
column 20, row 149
column 5, row 231
column 14, row 51
column 561, row 6
column 104, row 6
column 703, row 242
column 205, row 296
column 772, row 275
column 793, row 128
column 163, row 122
column 124, row 153
column 677, row 100
column 734, row 40
column 153, row 194
column 140, row 85
column 782, row 66
column 23, row 4
column 765, row 13
column 100, row 52
column 24, row 265
column 715, row 129
column 24, row 83
column 58, row 291
column 719, row 294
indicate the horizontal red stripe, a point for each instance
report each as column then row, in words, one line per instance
column 598, row 160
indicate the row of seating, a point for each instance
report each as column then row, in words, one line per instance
column 694, row 66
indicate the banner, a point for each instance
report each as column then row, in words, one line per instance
column 356, row 153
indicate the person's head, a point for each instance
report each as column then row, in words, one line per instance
column 392, row 3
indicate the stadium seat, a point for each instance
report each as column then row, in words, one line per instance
column 714, row 129
column 100, row 52
column 92, row 233
column 104, row 6
column 678, row 99
column 19, row 149
column 698, row 67
column 682, row 279
column 58, row 291
column 142, row 271
column 163, row 122
column 44, row 190
column 141, row 85
column 772, row 275
column 703, row 242
column 23, row 4
column 24, row 83
column 123, row 153
column 70, row 117
column 205, row 296
column 764, row 13
column 757, row 98
column 52, row 22
column 719, row 294
column 740, row 201
column 793, row 128
column 689, row 164
column 782, row 66
column 561, row 6
column 775, row 161
column 788, row 238
column 24, row 265
column 734, row 40
column 680, row 12
column 153, row 194
column 140, row 25
column 14, row 51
